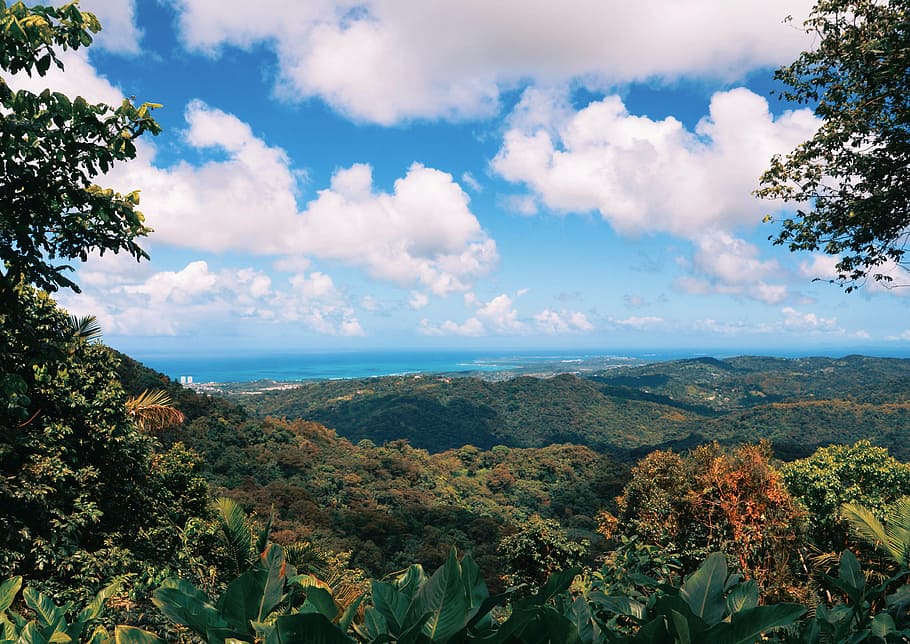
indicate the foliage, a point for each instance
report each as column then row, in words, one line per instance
column 798, row 404
column 891, row 537
column 539, row 548
column 255, row 606
column 709, row 606
column 84, row 496
column 153, row 410
column 859, row 473
column 54, row 147
column 869, row 613
column 850, row 179
column 52, row 623
column 713, row 499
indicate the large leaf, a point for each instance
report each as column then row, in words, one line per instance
column 183, row 603
column 703, row 591
column 311, row 628
column 390, row 603
column 253, row 595
column 883, row 625
column 322, row 602
column 8, row 591
column 742, row 597
column 443, row 597
column 619, row 605
column 93, row 610
column 133, row 635
column 50, row 616
column 474, row 585
column 31, row 634
column 850, row 571
column 586, row 626
column 749, row 624
column 557, row 583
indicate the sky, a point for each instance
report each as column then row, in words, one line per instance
column 460, row 174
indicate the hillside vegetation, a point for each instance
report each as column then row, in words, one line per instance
column 798, row 404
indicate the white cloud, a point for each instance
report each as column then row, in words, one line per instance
column 199, row 299
column 384, row 60
column 418, row 300
column 471, row 327
column 520, row 204
column 559, row 322
column 423, row 232
column 641, row 322
column 729, row 265
column 644, row 175
column 471, row 182
column 794, row 319
column 119, row 32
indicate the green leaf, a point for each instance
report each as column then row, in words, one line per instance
column 883, row 625
column 850, row 572
column 32, row 635
column 322, row 601
column 235, row 531
column 703, row 591
column 557, row 583
column 443, row 597
column 49, row 615
column 749, row 624
column 133, row 635
column 8, row 591
column 253, row 595
column 312, row 628
column 183, row 603
column 619, row 605
column 347, row 617
column 390, row 603
column 742, row 597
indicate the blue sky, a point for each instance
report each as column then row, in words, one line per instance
column 380, row 174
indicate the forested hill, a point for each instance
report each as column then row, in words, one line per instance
column 799, row 404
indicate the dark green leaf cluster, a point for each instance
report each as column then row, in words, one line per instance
column 52, row 149
column 850, row 181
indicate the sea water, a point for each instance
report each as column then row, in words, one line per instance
column 365, row 364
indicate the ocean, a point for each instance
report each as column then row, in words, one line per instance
column 285, row 367
column 298, row 366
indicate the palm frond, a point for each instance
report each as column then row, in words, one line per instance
column 85, row 328
column 235, row 532
column 891, row 538
column 153, row 410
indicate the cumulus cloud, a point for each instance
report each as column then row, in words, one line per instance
column 645, row 175
column 423, row 232
column 385, row 61
column 559, row 322
column 499, row 316
column 119, row 32
column 729, row 265
column 794, row 319
column 640, row 322
column 197, row 298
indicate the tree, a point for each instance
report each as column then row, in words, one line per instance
column 84, row 495
column 52, row 148
column 859, row 474
column 712, row 499
column 851, row 180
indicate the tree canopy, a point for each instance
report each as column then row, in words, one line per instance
column 851, row 180
column 52, row 148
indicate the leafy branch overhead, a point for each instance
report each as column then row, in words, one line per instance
column 52, row 149
column 851, row 181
